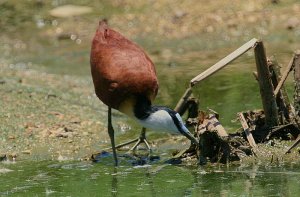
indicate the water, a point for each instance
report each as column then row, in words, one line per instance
column 42, row 55
column 52, row 178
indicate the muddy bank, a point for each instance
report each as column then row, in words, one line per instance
column 42, row 119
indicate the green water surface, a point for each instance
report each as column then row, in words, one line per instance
column 48, row 178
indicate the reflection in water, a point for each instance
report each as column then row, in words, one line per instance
column 146, row 185
column 76, row 179
column 250, row 181
column 150, row 182
column 216, row 181
column 167, row 180
column 114, row 183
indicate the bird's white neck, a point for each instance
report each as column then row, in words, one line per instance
column 155, row 117
column 165, row 119
column 159, row 120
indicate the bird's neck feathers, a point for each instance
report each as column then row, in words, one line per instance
column 136, row 106
column 155, row 117
column 160, row 119
column 142, row 108
column 165, row 119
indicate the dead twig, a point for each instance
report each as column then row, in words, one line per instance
column 247, row 130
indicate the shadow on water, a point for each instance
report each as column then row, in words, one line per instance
column 130, row 158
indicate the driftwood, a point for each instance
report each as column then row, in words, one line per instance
column 215, row 144
column 296, row 64
column 283, row 132
column 297, row 141
column 209, row 122
column 278, row 119
column 287, row 127
column 247, row 130
column 297, row 85
column 282, row 100
column 285, row 75
column 223, row 62
column 266, row 86
column 182, row 103
column 255, row 120
column 211, row 70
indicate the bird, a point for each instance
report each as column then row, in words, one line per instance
column 124, row 79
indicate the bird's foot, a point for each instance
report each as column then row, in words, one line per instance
column 137, row 142
column 141, row 140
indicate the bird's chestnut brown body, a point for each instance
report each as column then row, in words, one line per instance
column 121, row 70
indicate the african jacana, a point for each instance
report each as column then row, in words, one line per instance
column 125, row 79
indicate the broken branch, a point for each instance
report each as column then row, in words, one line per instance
column 223, row 62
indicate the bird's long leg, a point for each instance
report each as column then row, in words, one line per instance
column 112, row 137
column 143, row 136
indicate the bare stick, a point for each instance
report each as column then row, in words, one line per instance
column 223, row 62
column 247, row 130
column 297, row 141
column 265, row 86
column 183, row 101
column 282, row 100
column 285, row 75
column 296, row 60
column 297, row 85
column 255, row 75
